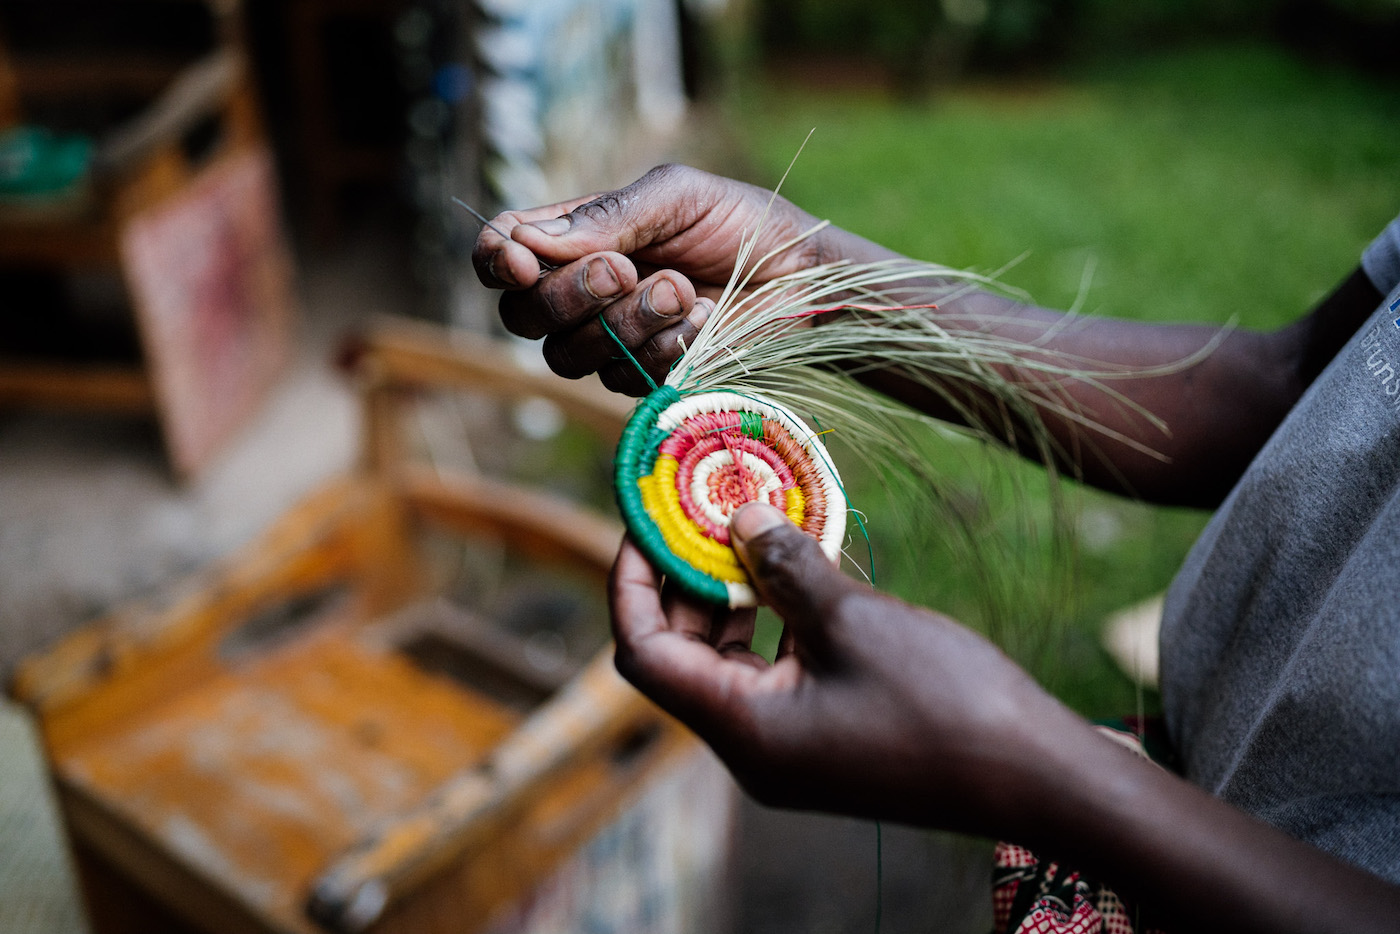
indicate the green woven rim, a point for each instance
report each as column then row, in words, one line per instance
column 636, row 453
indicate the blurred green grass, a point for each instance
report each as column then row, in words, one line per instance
column 1222, row 184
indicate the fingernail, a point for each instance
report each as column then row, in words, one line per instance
column 554, row 226
column 663, row 299
column 600, row 280
column 700, row 313
column 753, row 519
column 504, row 275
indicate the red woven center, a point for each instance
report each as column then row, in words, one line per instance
column 731, row 485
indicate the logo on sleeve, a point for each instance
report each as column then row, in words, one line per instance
column 1378, row 361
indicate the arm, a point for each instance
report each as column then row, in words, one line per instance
column 651, row 258
column 883, row 710
column 1219, row 411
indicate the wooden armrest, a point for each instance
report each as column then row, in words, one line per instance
column 196, row 92
column 420, row 357
column 597, row 711
column 535, row 522
column 308, row 548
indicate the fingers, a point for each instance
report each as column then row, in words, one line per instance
column 728, row 632
column 650, row 321
column 663, row 646
column 634, row 597
column 570, row 272
column 643, row 607
column 654, row 356
column 568, row 296
column 655, row 319
column 668, row 199
column 652, row 209
column 787, row 566
column 731, row 633
column 787, row 642
column 500, row 262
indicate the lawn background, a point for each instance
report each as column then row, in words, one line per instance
column 1222, row 184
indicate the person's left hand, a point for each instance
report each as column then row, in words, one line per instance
column 649, row 261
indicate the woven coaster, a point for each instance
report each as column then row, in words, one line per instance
column 685, row 463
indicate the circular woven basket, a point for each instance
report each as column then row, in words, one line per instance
column 685, row 463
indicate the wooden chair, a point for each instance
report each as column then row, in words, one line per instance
column 179, row 208
column 275, row 747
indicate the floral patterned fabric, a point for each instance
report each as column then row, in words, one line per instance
column 1030, row 896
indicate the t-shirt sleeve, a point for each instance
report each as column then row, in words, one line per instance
column 1381, row 260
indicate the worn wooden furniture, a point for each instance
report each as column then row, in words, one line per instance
column 277, row 747
column 179, row 209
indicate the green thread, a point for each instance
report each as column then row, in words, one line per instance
column 617, row 340
column 751, row 424
column 879, row 875
column 864, row 532
column 860, row 522
column 654, row 440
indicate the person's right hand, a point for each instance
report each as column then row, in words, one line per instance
column 881, row 709
column 873, row 707
column 649, row 259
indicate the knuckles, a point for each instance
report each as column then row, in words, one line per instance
column 670, row 178
column 623, row 378
column 556, row 303
column 670, row 184
column 602, row 207
column 658, row 353
column 775, row 553
column 518, row 316
column 560, row 358
column 660, row 180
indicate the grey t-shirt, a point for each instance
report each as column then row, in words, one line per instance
column 1281, row 636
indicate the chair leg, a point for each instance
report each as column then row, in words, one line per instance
column 115, row 904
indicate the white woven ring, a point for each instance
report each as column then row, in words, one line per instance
column 834, row 530
column 718, row 460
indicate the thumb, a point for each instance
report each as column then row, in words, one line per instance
column 650, row 210
column 788, row 568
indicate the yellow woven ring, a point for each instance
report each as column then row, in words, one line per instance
column 688, row 520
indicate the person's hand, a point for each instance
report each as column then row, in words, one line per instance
column 873, row 707
column 878, row 709
column 650, row 259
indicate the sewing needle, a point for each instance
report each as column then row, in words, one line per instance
column 478, row 215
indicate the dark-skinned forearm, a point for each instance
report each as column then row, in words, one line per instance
column 1218, row 408
column 1195, row 862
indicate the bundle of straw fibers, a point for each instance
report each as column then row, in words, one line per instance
column 740, row 414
